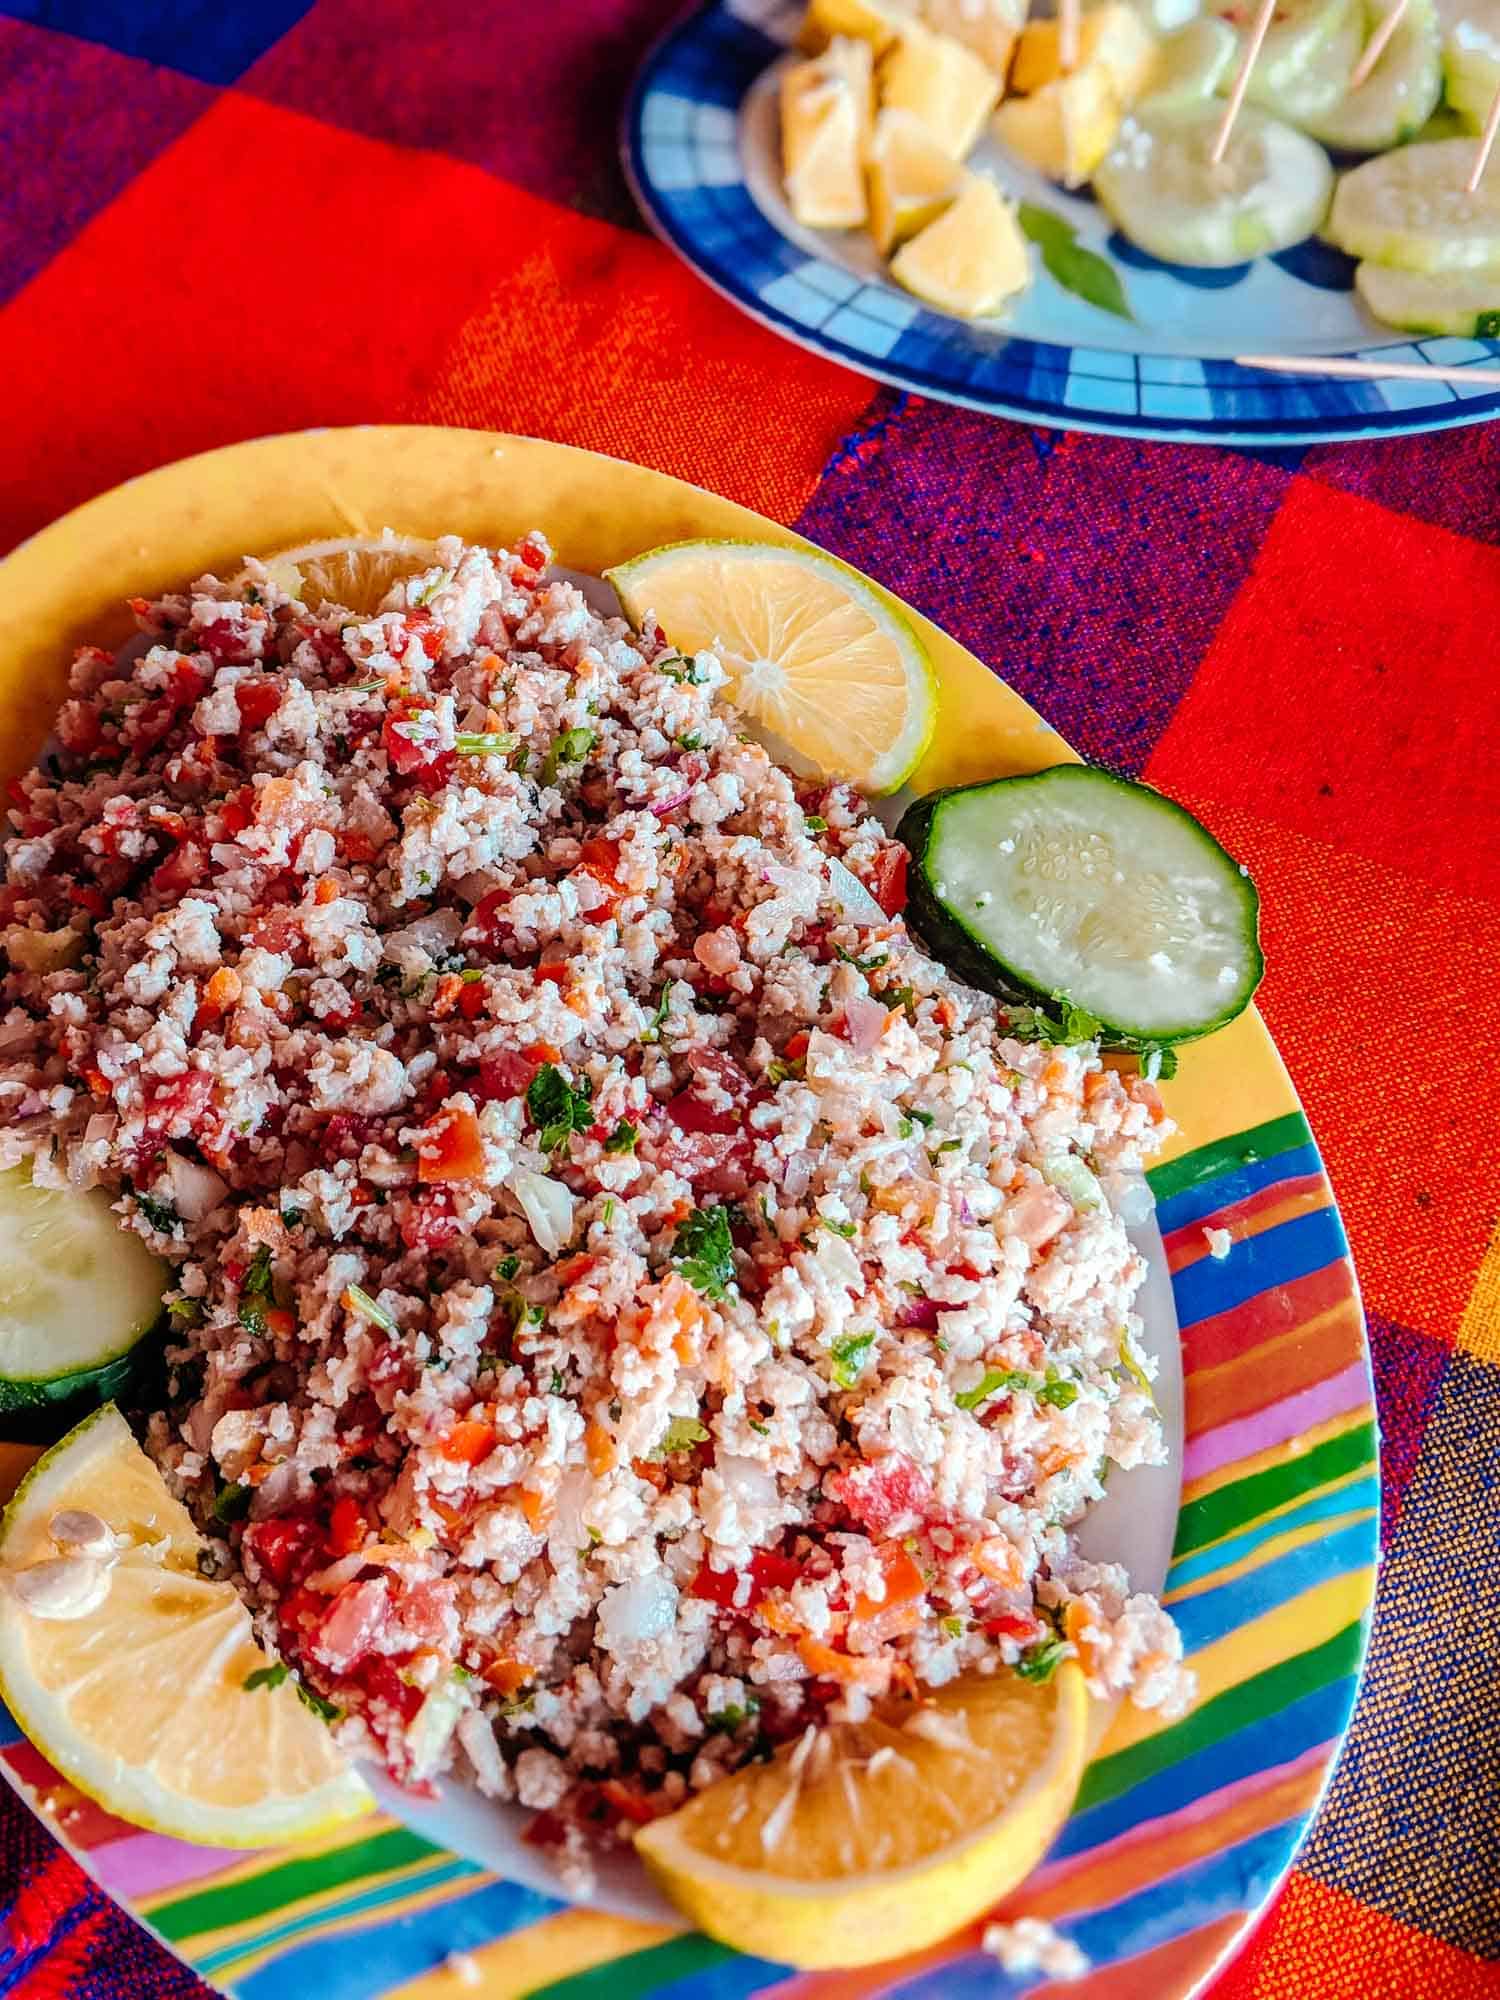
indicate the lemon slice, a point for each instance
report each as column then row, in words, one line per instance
column 828, row 665
column 127, row 1668
column 869, row 1840
column 912, row 179
column 353, row 574
column 972, row 259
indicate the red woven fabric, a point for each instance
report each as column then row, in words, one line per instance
column 220, row 223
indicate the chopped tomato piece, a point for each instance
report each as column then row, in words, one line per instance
column 184, row 868
column 796, row 1047
column 346, row 1526
column 505, row 1074
column 282, row 1547
column 887, row 879
column 472, row 999
column 452, row 1149
column 428, row 1223
column 883, row 1495
column 904, row 1582
column 635, row 1806
column 410, row 739
column 769, row 1570
column 488, row 925
column 554, row 975
column 257, row 701
column 382, row 1682
column 468, row 1442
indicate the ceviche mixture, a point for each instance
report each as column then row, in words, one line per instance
column 628, row 1300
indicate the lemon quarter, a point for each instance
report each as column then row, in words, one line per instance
column 127, row 1667
column 817, row 656
column 866, row 1841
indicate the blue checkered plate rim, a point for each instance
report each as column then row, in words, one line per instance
column 699, row 149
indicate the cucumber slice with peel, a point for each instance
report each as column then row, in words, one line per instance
column 1301, row 31
column 1310, row 89
column 1471, row 57
column 78, row 1293
column 1191, row 66
column 1074, row 889
column 1410, row 209
column 1161, row 188
column 1401, row 92
column 1465, row 304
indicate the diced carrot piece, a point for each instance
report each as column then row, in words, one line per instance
column 850, row 1669
column 624, row 1799
column 468, row 1442
column 796, row 1047
column 273, row 800
column 600, row 1449
column 537, row 1508
column 453, row 1149
column 1075, row 1618
column 1000, row 1560
column 223, row 989
column 326, row 891
column 904, row 1583
column 507, row 1676
column 542, row 1052
column 281, row 1323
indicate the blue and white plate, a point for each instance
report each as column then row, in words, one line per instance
column 701, row 150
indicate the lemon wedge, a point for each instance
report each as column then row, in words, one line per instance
column 942, row 82
column 127, row 1668
column 912, row 179
column 988, row 27
column 830, row 666
column 866, row 1841
column 354, row 573
column 972, row 259
column 877, row 22
column 825, row 115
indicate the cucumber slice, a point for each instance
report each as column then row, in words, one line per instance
column 1191, row 66
column 1421, row 302
column 1471, row 57
column 1161, row 188
column 78, row 1293
column 1074, row 887
column 1312, row 88
column 1410, row 209
column 1301, row 30
column 1401, row 92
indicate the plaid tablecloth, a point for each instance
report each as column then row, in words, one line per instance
column 218, row 221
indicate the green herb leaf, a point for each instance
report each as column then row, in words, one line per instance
column 257, row 1291
column 558, row 1108
column 923, row 1118
column 870, row 964
column 327, row 1711
column 991, row 1383
column 160, row 1214
column 850, row 1353
column 1084, row 273
column 844, row 1229
column 495, row 743
column 652, row 1031
column 732, row 1715
column 681, row 1434
column 570, row 748
column 1040, row 1662
column 231, row 1503
column 1057, row 1391
column 507, row 1268
column 1158, row 1062
column 954, row 1627
column 357, row 1299
column 622, row 1139
column 704, row 1250
column 266, row 1677
column 293, row 1217
column 185, row 1312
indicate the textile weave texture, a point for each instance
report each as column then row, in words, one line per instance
column 219, row 222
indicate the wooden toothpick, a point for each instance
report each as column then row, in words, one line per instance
column 1376, row 47
column 1067, row 35
column 1242, row 81
column 1363, row 371
column 1486, row 144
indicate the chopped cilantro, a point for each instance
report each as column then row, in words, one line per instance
column 704, row 1250
column 507, row 1268
column 558, row 1383
column 870, row 964
column 327, row 1711
column 652, row 1031
column 850, row 1353
column 676, row 668
column 570, row 748
column 160, row 1214
column 558, row 1108
column 991, row 1383
column 293, row 1217
column 905, row 1129
column 231, row 1503
column 901, row 996
column 732, row 1715
column 954, row 1627
column 681, row 1434
column 689, row 742
column 358, row 1300
column 266, row 1677
column 924, row 1118
column 815, row 823
column 257, row 1291
column 607, row 1213
column 1158, row 1062
column 1040, row 1662
column 760, row 1429
column 1059, row 1393
column 622, row 1139
column 844, row 1229
column 185, row 1312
